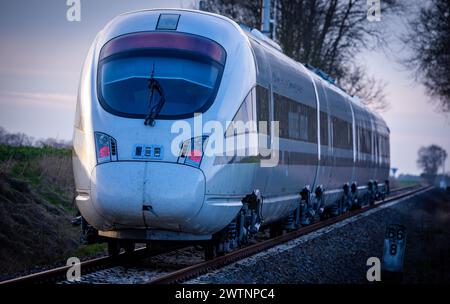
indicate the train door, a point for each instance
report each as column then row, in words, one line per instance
column 342, row 138
column 264, row 112
column 323, row 176
column 264, row 106
column 354, row 139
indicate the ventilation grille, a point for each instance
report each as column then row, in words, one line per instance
column 113, row 147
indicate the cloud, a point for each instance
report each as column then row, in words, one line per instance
column 8, row 71
column 38, row 98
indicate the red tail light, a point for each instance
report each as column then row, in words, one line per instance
column 192, row 151
column 105, row 147
column 105, row 152
column 196, row 156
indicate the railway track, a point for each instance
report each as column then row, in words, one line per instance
column 106, row 265
column 201, row 268
column 58, row 274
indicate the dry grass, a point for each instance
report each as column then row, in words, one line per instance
column 36, row 191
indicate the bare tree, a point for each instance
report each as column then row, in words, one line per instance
column 21, row 139
column 326, row 34
column 15, row 139
column 430, row 159
column 241, row 11
column 2, row 135
column 53, row 142
column 429, row 41
column 370, row 90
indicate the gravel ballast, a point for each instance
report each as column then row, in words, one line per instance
column 339, row 254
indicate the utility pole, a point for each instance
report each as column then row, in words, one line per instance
column 266, row 21
column 265, row 17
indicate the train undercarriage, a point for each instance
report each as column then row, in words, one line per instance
column 311, row 208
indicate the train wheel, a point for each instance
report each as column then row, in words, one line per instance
column 113, row 247
column 210, row 251
column 326, row 214
column 128, row 246
column 275, row 230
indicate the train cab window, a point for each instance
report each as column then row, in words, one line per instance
column 187, row 67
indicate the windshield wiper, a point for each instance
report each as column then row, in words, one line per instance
column 154, row 85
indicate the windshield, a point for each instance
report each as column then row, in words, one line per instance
column 188, row 78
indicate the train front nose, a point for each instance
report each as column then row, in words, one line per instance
column 147, row 194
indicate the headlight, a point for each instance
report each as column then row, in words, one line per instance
column 192, row 151
column 105, row 147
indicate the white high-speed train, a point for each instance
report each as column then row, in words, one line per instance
column 148, row 70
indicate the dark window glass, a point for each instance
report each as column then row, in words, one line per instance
column 188, row 84
column 263, row 111
column 263, row 106
column 385, row 143
column 297, row 121
column 188, row 68
column 243, row 121
column 366, row 141
column 281, row 114
column 342, row 134
column 323, row 128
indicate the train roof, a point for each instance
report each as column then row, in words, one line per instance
column 316, row 74
column 270, row 46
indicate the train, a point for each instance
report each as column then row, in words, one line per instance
column 308, row 150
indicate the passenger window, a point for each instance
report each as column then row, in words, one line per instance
column 342, row 134
column 297, row 121
column 323, row 128
column 263, row 106
column 244, row 121
column 263, row 113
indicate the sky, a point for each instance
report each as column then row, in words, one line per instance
column 42, row 54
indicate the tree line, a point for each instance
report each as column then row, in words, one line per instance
column 326, row 34
column 21, row 139
column 430, row 160
column 329, row 34
column 429, row 42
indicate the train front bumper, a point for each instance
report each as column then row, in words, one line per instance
column 142, row 195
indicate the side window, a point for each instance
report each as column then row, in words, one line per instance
column 244, row 120
column 296, row 125
column 369, row 141
column 297, row 121
column 358, row 139
column 263, row 106
column 342, row 134
column 323, row 128
column 281, row 108
column 365, row 141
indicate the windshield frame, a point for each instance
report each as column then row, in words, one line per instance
column 162, row 52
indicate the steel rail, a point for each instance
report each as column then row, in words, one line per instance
column 234, row 256
column 89, row 266
column 60, row 273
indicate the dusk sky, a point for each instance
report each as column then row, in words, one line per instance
column 42, row 53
